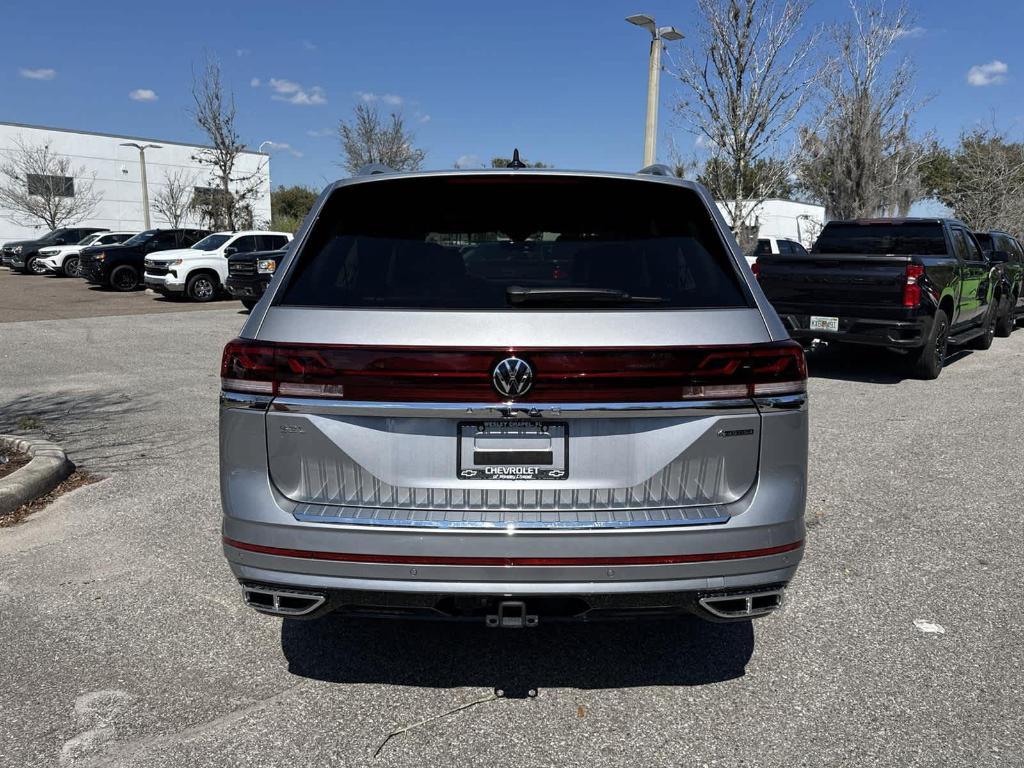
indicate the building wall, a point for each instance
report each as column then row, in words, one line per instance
column 785, row 218
column 118, row 178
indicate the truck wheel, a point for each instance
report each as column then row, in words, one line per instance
column 250, row 303
column 33, row 267
column 201, row 287
column 72, row 267
column 1005, row 324
column 932, row 356
column 124, row 278
column 984, row 341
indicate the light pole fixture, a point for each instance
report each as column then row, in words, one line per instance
column 658, row 34
column 142, row 164
column 260, row 147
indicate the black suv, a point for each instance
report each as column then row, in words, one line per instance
column 121, row 266
column 1006, row 255
column 22, row 254
column 249, row 274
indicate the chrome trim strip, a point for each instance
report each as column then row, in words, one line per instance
column 327, row 407
column 794, row 402
column 244, row 400
column 509, row 527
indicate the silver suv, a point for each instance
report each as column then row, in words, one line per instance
column 514, row 395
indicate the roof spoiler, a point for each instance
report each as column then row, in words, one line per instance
column 372, row 169
column 657, row 169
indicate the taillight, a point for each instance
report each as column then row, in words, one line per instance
column 756, row 269
column 587, row 375
column 912, row 288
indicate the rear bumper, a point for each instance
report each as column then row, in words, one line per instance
column 862, row 330
column 759, row 543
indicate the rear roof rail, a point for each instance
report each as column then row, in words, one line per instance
column 657, row 169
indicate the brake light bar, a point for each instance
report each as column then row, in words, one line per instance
column 560, row 375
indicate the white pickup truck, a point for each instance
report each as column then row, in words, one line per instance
column 200, row 272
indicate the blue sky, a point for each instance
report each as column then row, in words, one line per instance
column 565, row 82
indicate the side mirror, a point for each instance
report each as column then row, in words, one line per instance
column 230, row 251
column 998, row 257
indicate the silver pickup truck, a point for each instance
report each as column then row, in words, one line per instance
column 513, row 396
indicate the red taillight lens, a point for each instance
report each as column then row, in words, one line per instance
column 423, row 374
column 756, row 269
column 912, row 288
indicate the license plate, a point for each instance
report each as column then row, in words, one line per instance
column 512, row 450
column 824, row 323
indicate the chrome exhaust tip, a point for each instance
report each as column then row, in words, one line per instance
column 281, row 601
column 743, row 604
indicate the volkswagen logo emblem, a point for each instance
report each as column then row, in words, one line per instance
column 512, row 377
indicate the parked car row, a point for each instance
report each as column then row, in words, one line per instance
column 192, row 263
column 911, row 285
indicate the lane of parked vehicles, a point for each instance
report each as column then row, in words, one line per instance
column 913, row 286
column 190, row 263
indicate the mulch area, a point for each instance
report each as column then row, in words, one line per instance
column 15, row 460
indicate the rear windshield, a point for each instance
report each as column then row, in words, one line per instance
column 500, row 242
column 924, row 239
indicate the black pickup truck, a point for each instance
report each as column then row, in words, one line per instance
column 914, row 285
column 249, row 274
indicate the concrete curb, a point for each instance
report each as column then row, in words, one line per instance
column 49, row 465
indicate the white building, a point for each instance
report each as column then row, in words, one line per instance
column 117, row 178
column 784, row 219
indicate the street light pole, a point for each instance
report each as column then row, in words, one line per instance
column 658, row 34
column 145, row 187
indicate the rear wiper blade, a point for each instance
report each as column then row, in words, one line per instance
column 519, row 295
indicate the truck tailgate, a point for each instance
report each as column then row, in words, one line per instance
column 833, row 279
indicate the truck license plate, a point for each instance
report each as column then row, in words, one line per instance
column 819, row 323
column 513, row 450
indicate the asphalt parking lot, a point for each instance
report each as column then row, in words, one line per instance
column 49, row 297
column 125, row 642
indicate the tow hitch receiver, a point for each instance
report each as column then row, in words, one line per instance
column 511, row 615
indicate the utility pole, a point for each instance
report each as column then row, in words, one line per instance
column 145, row 187
column 658, row 34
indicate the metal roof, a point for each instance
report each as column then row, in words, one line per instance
column 122, row 136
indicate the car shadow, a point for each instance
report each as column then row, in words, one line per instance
column 869, row 365
column 437, row 654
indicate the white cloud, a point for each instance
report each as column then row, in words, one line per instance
column 240, row 52
column 992, row 73
column 422, row 117
column 38, row 74
column 143, row 94
column 255, row 82
column 280, row 146
column 469, row 161
column 319, row 133
column 293, row 93
column 913, row 33
column 309, row 46
column 391, row 99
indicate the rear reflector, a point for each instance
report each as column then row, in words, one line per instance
column 588, row 375
column 350, row 557
column 756, row 269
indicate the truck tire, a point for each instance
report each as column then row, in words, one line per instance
column 984, row 341
column 250, row 303
column 1006, row 322
column 124, row 278
column 33, row 267
column 201, row 287
column 932, row 356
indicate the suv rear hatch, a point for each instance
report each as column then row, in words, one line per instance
column 530, row 348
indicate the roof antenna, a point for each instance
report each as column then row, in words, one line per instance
column 515, row 162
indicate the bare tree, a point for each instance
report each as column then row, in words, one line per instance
column 174, row 200
column 369, row 139
column 215, row 113
column 747, row 79
column 37, row 185
column 864, row 159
